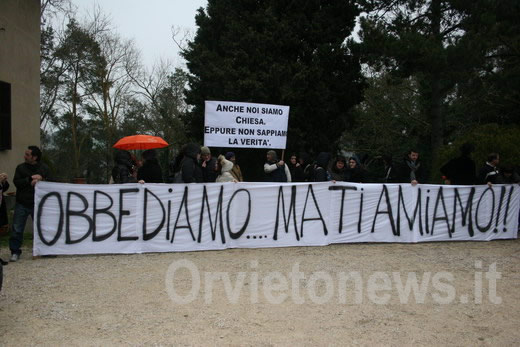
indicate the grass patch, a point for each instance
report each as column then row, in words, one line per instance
column 27, row 240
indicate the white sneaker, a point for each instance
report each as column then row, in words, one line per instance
column 14, row 258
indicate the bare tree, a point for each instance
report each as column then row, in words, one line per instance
column 181, row 36
column 114, row 87
column 52, row 8
column 51, row 69
column 150, row 82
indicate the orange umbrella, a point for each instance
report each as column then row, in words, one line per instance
column 140, row 142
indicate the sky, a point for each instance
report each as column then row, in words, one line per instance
column 148, row 23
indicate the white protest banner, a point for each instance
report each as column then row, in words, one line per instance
column 134, row 218
column 246, row 125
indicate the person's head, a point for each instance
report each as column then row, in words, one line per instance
column 322, row 160
column 466, row 149
column 413, row 155
column 123, row 157
column 293, row 159
column 192, row 150
column 352, row 163
column 149, row 154
column 304, row 158
column 231, row 157
column 340, row 163
column 507, row 171
column 205, row 153
column 493, row 159
column 271, row 156
column 32, row 155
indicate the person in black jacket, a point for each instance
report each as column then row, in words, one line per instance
column 208, row 165
column 390, row 171
column 26, row 176
column 508, row 176
column 321, row 173
column 355, row 173
column 488, row 174
column 151, row 171
column 191, row 171
column 295, row 169
column 123, row 171
column 4, row 185
column 411, row 170
column 308, row 167
column 338, row 169
column 460, row 170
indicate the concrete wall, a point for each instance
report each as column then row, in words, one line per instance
column 20, row 66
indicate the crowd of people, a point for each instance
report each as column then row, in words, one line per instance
column 196, row 164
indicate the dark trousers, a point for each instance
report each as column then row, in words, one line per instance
column 19, row 220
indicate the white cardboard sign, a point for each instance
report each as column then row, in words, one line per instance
column 245, row 125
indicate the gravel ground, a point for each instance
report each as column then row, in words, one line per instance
column 127, row 299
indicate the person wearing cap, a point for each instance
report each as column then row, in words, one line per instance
column 236, row 172
column 276, row 170
column 208, row 165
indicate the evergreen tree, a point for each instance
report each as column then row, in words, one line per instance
column 424, row 39
column 284, row 52
column 80, row 56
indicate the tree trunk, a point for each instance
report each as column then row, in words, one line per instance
column 74, row 127
column 436, row 97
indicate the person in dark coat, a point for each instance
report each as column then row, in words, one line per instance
column 208, row 165
column 338, row 169
column 4, row 185
column 307, row 166
column 174, row 168
column 411, row 170
column 508, row 175
column 191, row 171
column 460, row 170
column 26, row 176
column 390, row 171
column 151, row 171
column 355, row 173
column 489, row 172
column 321, row 173
column 123, row 170
column 296, row 169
